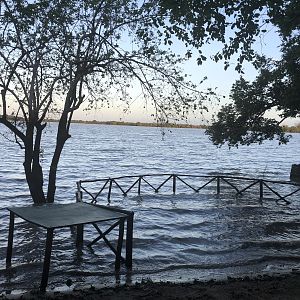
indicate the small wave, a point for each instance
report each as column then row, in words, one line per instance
column 209, row 251
column 175, row 242
column 282, row 226
column 232, row 264
column 274, row 244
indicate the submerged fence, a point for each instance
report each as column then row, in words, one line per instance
column 196, row 183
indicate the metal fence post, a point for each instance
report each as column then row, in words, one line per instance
column 261, row 188
column 139, row 185
column 174, row 183
column 78, row 192
column 218, row 185
column 109, row 189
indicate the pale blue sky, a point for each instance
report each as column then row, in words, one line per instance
column 217, row 77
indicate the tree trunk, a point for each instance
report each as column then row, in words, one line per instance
column 32, row 167
column 34, row 177
column 62, row 136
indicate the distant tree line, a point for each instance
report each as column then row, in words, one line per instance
column 285, row 128
column 292, row 129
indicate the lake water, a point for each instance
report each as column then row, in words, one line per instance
column 176, row 237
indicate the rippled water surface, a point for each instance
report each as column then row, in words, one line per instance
column 176, row 237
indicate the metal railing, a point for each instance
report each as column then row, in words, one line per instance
column 217, row 181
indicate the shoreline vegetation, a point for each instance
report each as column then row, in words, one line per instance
column 246, row 288
column 143, row 124
column 290, row 129
column 287, row 129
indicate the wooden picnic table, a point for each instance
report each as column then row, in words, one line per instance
column 52, row 216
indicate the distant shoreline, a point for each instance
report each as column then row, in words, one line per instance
column 143, row 124
column 291, row 129
column 287, row 129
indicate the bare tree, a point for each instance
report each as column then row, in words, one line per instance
column 55, row 55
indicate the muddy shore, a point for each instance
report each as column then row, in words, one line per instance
column 261, row 287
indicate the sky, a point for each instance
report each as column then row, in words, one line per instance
column 217, row 78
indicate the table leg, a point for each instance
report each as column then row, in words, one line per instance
column 79, row 236
column 10, row 239
column 129, row 240
column 47, row 258
column 119, row 246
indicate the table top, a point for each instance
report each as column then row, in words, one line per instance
column 62, row 215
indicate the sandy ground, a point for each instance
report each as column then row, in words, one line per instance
column 262, row 287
